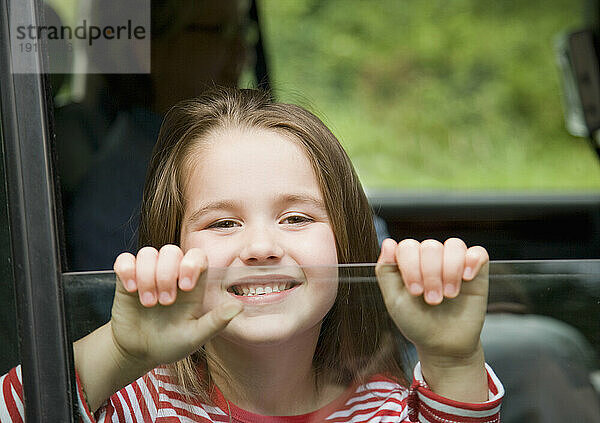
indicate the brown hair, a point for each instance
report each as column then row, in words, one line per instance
column 357, row 336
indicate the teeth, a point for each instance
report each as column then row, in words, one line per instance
column 252, row 290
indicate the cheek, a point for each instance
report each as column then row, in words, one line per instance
column 320, row 249
column 323, row 281
column 218, row 251
column 329, row 292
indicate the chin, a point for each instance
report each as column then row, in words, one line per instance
column 267, row 331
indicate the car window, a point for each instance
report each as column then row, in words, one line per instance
column 423, row 95
column 461, row 96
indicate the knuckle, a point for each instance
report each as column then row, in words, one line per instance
column 125, row 262
column 483, row 251
column 408, row 243
column 431, row 244
column 147, row 251
column 478, row 251
column 388, row 240
column 123, row 256
column 169, row 249
column 455, row 242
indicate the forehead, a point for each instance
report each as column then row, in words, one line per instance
column 249, row 163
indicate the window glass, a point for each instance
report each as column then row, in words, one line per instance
column 540, row 333
column 106, row 123
column 436, row 95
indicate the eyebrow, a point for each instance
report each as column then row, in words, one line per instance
column 210, row 206
column 231, row 205
column 303, row 198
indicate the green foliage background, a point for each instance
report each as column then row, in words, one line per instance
column 436, row 94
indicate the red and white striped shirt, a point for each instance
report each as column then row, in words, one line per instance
column 152, row 398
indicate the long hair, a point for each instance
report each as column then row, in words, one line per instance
column 357, row 337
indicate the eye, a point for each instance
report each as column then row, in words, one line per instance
column 296, row 219
column 223, row 224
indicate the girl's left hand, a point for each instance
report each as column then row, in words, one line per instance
column 436, row 294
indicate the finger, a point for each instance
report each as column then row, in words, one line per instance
column 124, row 267
column 211, row 323
column 475, row 258
column 387, row 254
column 167, row 273
column 454, row 264
column 408, row 257
column 145, row 268
column 432, row 256
column 193, row 263
column 387, row 271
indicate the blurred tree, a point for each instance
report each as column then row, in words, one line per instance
column 461, row 95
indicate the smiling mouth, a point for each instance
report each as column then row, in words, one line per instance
column 256, row 286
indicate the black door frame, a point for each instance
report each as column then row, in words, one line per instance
column 45, row 353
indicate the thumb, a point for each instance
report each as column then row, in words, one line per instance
column 213, row 322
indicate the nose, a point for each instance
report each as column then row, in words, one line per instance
column 261, row 247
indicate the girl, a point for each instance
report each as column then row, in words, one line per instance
column 265, row 193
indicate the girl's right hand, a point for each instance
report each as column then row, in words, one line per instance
column 157, row 311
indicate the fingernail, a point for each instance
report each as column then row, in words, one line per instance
column 416, row 289
column 130, row 284
column 165, row 297
column 434, row 296
column 185, row 283
column 148, row 298
column 450, row 291
column 231, row 310
column 468, row 273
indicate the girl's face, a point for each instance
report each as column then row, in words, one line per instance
column 252, row 200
